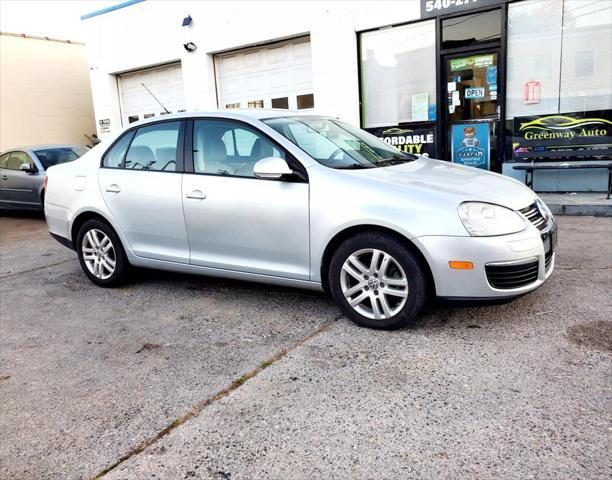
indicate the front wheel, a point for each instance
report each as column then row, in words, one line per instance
column 101, row 254
column 377, row 281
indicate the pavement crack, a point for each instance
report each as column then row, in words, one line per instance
column 583, row 268
column 198, row 407
column 37, row 268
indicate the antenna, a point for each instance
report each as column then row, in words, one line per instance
column 156, row 99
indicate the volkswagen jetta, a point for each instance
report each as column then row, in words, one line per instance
column 303, row 201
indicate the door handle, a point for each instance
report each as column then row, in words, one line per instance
column 114, row 188
column 4, row 177
column 196, row 195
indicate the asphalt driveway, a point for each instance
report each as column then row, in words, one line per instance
column 175, row 376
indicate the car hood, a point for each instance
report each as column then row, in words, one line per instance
column 455, row 181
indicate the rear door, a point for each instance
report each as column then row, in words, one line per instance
column 140, row 181
column 236, row 221
column 20, row 188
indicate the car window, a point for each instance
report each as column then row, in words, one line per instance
column 4, row 160
column 114, row 157
column 17, row 159
column 224, row 147
column 154, row 148
column 336, row 144
column 57, row 155
column 230, row 142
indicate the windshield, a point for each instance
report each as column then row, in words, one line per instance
column 56, row 155
column 337, row 144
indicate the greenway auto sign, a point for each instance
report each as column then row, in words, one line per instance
column 568, row 131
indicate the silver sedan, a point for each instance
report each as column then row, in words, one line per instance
column 303, row 201
column 22, row 173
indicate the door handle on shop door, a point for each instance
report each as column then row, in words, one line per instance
column 196, row 195
column 114, row 188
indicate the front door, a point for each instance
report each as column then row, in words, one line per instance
column 472, row 110
column 20, row 188
column 141, row 185
column 236, row 221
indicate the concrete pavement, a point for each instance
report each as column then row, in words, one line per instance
column 177, row 376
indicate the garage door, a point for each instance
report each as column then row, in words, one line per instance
column 138, row 91
column 278, row 75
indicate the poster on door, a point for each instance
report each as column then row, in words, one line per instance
column 470, row 144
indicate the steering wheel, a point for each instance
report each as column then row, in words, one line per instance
column 336, row 152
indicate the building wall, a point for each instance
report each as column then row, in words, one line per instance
column 45, row 94
column 120, row 41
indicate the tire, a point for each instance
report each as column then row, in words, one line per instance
column 91, row 254
column 353, row 276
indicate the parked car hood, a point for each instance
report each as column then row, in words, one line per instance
column 456, row 181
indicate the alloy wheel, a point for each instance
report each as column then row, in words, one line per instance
column 374, row 284
column 99, row 254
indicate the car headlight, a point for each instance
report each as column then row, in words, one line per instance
column 545, row 210
column 485, row 219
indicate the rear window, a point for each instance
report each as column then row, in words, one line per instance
column 57, row 155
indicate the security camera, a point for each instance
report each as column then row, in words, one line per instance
column 190, row 46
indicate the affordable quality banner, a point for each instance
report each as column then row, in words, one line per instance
column 470, row 144
column 420, row 141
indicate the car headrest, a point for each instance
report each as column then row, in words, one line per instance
column 139, row 154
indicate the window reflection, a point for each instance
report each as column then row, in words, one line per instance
column 470, row 29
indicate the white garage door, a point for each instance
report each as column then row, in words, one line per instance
column 164, row 83
column 278, row 75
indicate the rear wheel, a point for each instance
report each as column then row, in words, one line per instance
column 377, row 281
column 101, row 254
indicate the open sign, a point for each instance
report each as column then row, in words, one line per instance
column 475, row 92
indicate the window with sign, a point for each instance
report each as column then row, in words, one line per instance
column 534, row 55
column 472, row 87
column 544, row 78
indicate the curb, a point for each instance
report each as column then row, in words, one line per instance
column 581, row 210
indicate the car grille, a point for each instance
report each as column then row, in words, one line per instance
column 533, row 214
column 512, row 275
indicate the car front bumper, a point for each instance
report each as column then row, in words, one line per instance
column 523, row 248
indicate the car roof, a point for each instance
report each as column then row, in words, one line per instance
column 234, row 113
column 45, row 146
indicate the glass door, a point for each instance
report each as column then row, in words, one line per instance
column 472, row 109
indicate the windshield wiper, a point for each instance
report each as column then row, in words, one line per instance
column 387, row 162
column 354, row 166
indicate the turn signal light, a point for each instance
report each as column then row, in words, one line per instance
column 460, row 265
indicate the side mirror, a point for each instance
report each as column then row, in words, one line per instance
column 271, row 168
column 26, row 167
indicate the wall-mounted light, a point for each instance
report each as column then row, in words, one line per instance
column 190, row 46
column 187, row 21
